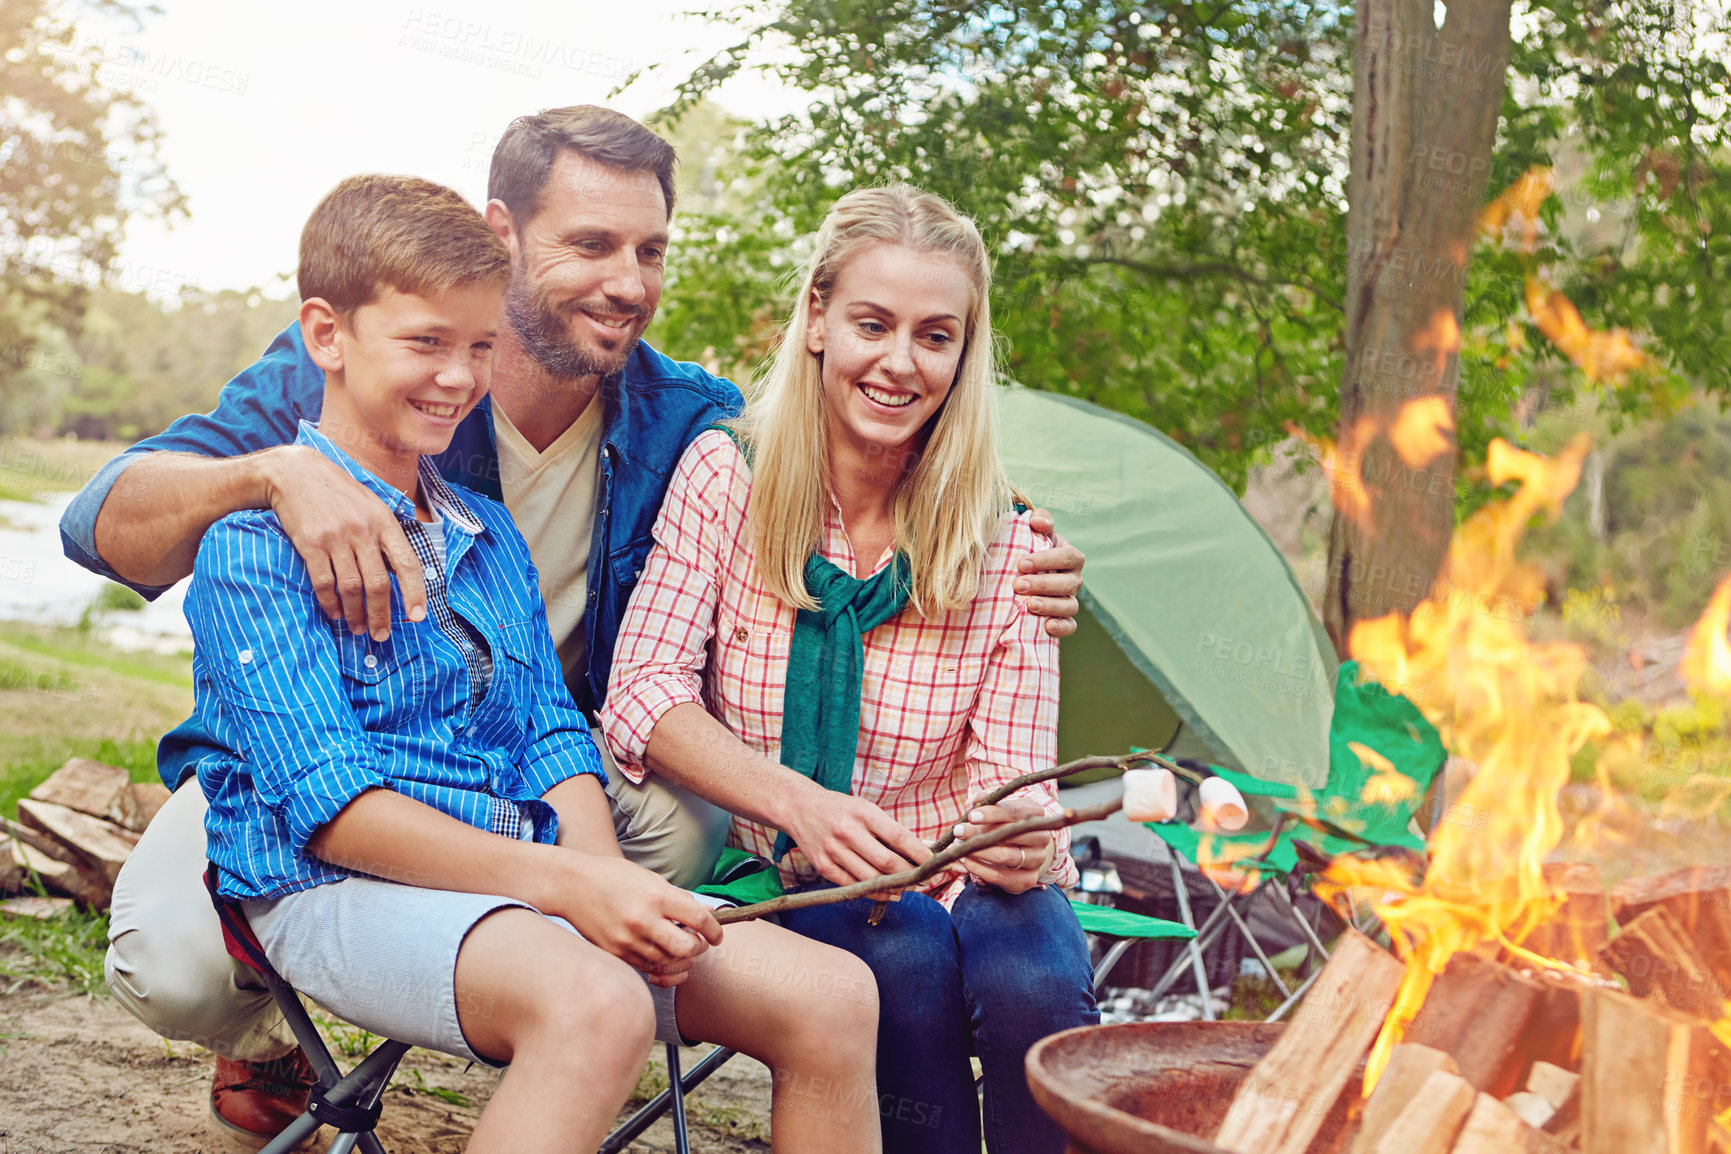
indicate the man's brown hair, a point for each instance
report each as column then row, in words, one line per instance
column 524, row 156
column 372, row 233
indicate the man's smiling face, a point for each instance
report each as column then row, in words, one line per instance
column 587, row 267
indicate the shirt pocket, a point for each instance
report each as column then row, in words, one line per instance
column 385, row 681
column 513, row 686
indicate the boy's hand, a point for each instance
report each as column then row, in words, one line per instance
column 1051, row 579
column 635, row 915
column 349, row 539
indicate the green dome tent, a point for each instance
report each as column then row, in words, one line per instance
column 1194, row 635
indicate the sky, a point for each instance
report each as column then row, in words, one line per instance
column 264, row 107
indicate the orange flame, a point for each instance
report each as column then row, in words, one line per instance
column 1600, row 354
column 1521, row 200
column 1420, row 433
column 1500, row 702
column 1706, row 663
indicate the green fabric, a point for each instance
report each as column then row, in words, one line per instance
column 820, row 705
column 743, row 878
column 1189, row 611
column 825, row 665
column 1115, row 923
column 1370, row 716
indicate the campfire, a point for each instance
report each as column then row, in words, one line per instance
column 1525, row 1005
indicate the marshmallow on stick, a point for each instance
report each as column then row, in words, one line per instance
column 1223, row 807
column 1150, row 795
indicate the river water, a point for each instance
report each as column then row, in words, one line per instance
column 38, row 584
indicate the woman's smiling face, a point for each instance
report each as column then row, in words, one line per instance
column 891, row 338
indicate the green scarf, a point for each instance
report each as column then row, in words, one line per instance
column 820, row 700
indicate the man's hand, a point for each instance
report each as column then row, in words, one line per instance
column 848, row 839
column 349, row 539
column 1051, row 579
column 634, row 915
column 1014, row 866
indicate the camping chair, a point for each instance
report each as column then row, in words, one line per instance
column 1383, row 757
column 350, row 1102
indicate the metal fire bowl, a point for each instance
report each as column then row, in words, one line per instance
column 1156, row 1087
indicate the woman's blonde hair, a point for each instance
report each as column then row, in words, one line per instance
column 946, row 508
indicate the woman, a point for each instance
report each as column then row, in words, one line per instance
column 835, row 587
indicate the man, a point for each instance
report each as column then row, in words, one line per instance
column 584, row 426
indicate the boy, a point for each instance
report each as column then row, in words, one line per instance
column 425, row 812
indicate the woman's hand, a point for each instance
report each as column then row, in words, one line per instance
column 1014, row 866
column 847, row 839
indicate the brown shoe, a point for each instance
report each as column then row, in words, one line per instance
column 257, row 1100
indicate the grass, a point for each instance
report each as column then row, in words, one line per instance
column 78, row 647
column 1254, row 996
column 65, row 693
column 30, row 468
column 65, row 950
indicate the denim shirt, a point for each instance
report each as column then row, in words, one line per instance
column 651, row 411
column 315, row 715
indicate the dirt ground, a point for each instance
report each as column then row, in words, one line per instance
column 78, row 1074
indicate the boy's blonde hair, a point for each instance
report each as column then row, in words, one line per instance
column 372, row 233
column 946, row 508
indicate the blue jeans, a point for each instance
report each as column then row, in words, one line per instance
column 989, row 977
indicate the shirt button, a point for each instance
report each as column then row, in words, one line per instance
column 371, row 661
column 742, row 634
column 430, row 573
column 244, row 657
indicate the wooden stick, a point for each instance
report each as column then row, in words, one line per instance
column 1069, row 768
column 999, row 793
column 913, row 877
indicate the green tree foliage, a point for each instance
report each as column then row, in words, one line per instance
column 137, row 363
column 77, row 159
column 1164, row 188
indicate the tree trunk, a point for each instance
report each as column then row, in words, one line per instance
column 1425, row 105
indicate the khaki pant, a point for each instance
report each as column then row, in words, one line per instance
column 166, row 961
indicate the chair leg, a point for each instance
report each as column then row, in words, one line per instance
column 627, row 1131
column 1255, row 946
column 1205, row 935
column 1303, row 922
column 1197, row 965
column 1110, row 959
column 681, row 1142
column 1292, row 999
column 362, row 1086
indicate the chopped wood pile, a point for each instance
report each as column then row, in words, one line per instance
column 1624, row 1053
column 73, row 833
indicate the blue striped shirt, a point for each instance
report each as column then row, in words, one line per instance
column 318, row 715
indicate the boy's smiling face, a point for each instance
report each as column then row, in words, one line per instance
column 402, row 372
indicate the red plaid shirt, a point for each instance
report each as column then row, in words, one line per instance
column 949, row 707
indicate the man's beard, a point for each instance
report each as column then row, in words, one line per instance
column 545, row 336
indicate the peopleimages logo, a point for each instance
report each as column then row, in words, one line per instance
column 503, row 48
column 142, row 69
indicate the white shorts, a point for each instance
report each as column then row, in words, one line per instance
column 383, row 956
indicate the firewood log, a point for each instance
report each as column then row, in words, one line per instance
column 100, row 846
column 1281, row 1105
column 1478, row 1011
column 1654, row 955
column 1652, row 1078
